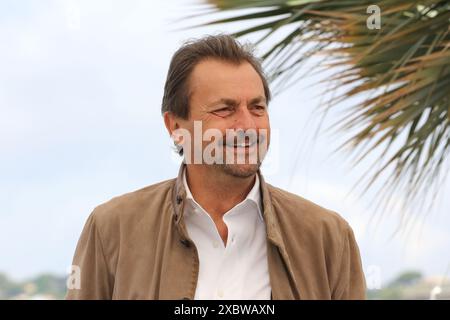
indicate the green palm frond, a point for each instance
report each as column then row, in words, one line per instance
column 404, row 66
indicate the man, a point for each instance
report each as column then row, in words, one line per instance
column 217, row 231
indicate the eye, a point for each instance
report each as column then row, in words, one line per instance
column 223, row 112
column 258, row 109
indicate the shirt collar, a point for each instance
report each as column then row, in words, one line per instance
column 268, row 211
column 254, row 195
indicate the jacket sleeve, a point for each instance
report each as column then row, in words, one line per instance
column 90, row 279
column 351, row 284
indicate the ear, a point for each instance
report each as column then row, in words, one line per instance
column 171, row 122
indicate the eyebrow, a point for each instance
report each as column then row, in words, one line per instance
column 258, row 99
column 226, row 101
column 232, row 102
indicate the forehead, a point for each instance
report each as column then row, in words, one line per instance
column 213, row 79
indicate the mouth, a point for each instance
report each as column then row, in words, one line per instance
column 242, row 145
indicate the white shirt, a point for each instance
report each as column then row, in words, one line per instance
column 238, row 270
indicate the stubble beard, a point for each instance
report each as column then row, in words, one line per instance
column 239, row 170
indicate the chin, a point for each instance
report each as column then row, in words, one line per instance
column 240, row 170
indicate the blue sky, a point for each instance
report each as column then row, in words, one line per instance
column 80, row 91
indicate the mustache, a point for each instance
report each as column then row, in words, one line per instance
column 249, row 137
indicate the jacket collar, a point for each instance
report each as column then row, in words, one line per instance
column 179, row 195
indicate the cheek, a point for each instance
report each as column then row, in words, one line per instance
column 263, row 123
column 213, row 130
column 263, row 126
column 217, row 124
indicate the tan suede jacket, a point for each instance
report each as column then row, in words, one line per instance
column 135, row 246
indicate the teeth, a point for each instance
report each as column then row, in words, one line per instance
column 240, row 145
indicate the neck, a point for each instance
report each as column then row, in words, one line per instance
column 216, row 191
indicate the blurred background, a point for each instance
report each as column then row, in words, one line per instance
column 81, row 84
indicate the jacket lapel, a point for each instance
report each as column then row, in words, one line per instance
column 282, row 278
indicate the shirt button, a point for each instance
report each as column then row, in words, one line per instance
column 215, row 244
column 233, row 238
column 220, row 294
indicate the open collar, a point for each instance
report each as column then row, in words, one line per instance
column 254, row 194
column 179, row 194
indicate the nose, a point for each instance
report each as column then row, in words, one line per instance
column 244, row 119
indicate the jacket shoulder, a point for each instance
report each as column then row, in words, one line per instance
column 303, row 213
column 320, row 246
column 147, row 201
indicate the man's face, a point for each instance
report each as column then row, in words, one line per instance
column 230, row 96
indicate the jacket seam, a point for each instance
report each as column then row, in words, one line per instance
column 97, row 230
column 339, row 289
